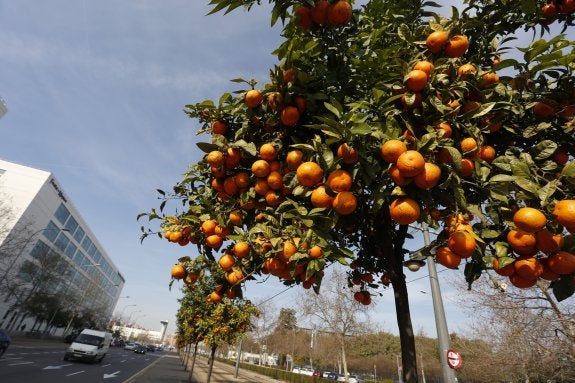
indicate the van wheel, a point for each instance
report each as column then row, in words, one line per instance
column 102, row 358
column 66, row 357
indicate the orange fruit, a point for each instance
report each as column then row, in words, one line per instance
column 547, row 274
column 268, row 152
column 303, row 17
column 548, row 242
column 489, row 78
column 339, row 13
column 462, row 243
column 487, row 153
column 190, row 278
column 253, row 98
column 319, row 198
column 178, row 271
column 233, row 158
column 429, row 177
column 436, row 41
column 227, row 261
column 275, row 100
column 425, row 66
column 529, row 219
column 410, row 163
column 319, row 12
column 468, row 145
column 315, row 252
column 392, row 149
column 290, row 116
column 347, row 154
column 456, row 46
column 561, row 156
column 273, row 198
column 235, row 276
column 397, row 176
column 505, row 271
column 444, row 129
column 467, row 167
column 215, row 297
column 521, row 282
column 562, row 263
column 208, row 227
column 230, row 186
column 309, row 174
column 564, row 212
column 242, row 180
column 294, row 159
column 404, row 210
column 288, row 249
column 344, row 203
column 444, row 256
column 522, row 242
column 260, row 168
column 236, row 217
column 466, row 69
column 214, row 241
column 241, row 249
column 416, row 80
column 215, row 158
column 528, row 267
column 261, row 186
column 219, row 127
column 340, row 180
column 275, row 180
column 543, row 109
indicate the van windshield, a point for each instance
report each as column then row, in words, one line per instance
column 92, row 340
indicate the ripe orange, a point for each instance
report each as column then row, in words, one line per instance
column 456, row 46
column 218, row 184
column 219, row 127
column 190, row 278
column 425, row 66
column 230, row 186
column 309, row 174
column 300, row 103
column 215, row 297
column 178, row 271
column 562, row 262
column 410, row 163
column 215, row 158
column 303, row 17
column 416, row 80
column 543, row 109
column 208, row 227
column 344, row 203
column 236, row 217
column 522, row 242
column 564, row 212
column 275, row 180
column 275, row 100
column 235, row 276
column 347, row 154
column 340, row 180
column 233, row 158
column 319, row 12
column 261, row 186
column 261, row 168
column 315, row 252
column 339, row 13
column 467, row 167
column 529, row 219
column 466, row 69
column 429, row 177
column 241, row 249
column 547, row 242
column 505, row 271
column 214, row 241
column 487, row 153
column 268, row 152
column 227, row 261
column 561, row 156
column 444, row 129
column 468, row 145
column 242, row 180
column 436, row 41
column 253, row 98
column 462, row 243
column 397, row 176
column 319, row 198
column 489, row 78
column 290, row 116
column 521, row 282
column 548, row 275
column 392, row 149
column 444, row 256
column 404, row 210
column 288, row 249
column 273, row 198
column 294, row 159
column 528, row 267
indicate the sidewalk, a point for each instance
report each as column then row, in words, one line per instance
column 169, row 368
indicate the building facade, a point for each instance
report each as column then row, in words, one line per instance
column 48, row 253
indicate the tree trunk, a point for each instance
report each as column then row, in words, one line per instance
column 211, row 363
column 193, row 363
column 343, row 357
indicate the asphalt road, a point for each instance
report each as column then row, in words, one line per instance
column 32, row 364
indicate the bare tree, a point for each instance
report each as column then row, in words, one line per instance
column 336, row 312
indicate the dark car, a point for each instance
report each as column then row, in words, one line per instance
column 140, row 349
column 151, row 347
column 4, row 341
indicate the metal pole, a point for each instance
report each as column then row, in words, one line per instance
column 238, row 358
column 440, row 321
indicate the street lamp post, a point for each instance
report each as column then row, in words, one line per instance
column 81, row 298
column 124, row 309
column 132, row 313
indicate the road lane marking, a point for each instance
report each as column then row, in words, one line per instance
column 5, row 359
column 112, row 375
column 56, row 367
column 76, row 373
column 18, row 364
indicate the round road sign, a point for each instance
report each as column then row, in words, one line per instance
column 454, row 359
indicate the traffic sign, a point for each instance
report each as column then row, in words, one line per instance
column 454, row 359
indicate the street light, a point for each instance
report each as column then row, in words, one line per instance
column 81, row 298
column 438, row 310
column 124, row 309
column 132, row 313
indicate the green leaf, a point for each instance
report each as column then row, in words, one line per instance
column 563, row 288
column 527, row 185
column 544, row 149
column 206, row 147
column 333, row 109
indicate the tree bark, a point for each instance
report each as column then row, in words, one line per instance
column 211, row 363
column 193, row 362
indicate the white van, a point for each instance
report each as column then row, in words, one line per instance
column 90, row 345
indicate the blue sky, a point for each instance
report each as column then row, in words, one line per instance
column 95, row 92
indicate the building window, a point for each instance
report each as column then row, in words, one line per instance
column 71, row 224
column 86, row 243
column 62, row 214
column 79, row 234
column 71, row 250
column 62, row 241
column 2, row 171
column 40, row 250
column 79, row 258
column 92, row 251
column 51, row 231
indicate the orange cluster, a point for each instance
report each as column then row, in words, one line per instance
column 461, row 242
column 538, row 251
column 323, row 13
column 551, row 10
column 339, row 182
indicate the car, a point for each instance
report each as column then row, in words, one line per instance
column 4, row 341
column 316, row 373
column 151, row 347
column 140, row 349
column 333, row 376
column 130, row 346
column 350, row 379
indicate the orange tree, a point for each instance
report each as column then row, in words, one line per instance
column 379, row 117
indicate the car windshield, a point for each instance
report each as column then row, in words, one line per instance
column 92, row 340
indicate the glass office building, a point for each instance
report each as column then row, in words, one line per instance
column 39, row 230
